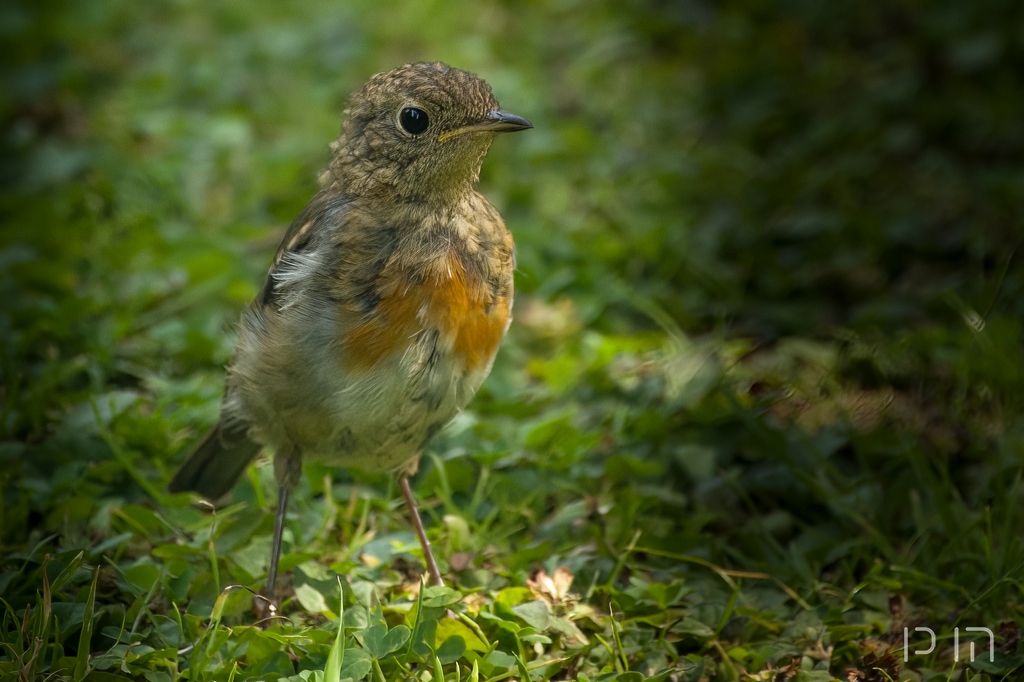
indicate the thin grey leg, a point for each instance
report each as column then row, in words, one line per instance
column 421, row 533
column 275, row 552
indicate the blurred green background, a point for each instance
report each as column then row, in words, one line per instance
column 769, row 299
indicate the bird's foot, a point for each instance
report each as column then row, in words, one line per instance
column 266, row 611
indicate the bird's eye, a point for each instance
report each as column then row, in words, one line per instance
column 413, row 120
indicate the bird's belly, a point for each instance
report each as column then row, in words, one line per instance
column 376, row 419
column 382, row 421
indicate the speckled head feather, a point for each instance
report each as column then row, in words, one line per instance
column 457, row 96
column 374, row 154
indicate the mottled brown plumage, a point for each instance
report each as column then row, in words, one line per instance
column 385, row 304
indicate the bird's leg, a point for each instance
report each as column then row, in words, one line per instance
column 275, row 550
column 287, row 469
column 421, row 533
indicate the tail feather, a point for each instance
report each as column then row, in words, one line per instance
column 216, row 463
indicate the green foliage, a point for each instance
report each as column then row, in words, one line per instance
column 759, row 411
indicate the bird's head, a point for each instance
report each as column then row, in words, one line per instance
column 419, row 132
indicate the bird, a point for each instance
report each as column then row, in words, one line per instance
column 385, row 304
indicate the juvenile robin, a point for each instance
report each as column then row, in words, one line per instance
column 385, row 304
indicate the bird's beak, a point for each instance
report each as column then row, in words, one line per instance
column 503, row 122
column 494, row 122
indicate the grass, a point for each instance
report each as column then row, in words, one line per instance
column 650, row 486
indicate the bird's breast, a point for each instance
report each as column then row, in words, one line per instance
column 466, row 313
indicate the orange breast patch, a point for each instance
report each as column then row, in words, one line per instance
column 452, row 302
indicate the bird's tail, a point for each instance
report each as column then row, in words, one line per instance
column 217, row 463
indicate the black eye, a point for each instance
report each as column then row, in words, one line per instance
column 413, row 120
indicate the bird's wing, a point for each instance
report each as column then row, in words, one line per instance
column 291, row 271
column 310, row 227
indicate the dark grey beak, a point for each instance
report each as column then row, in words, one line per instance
column 494, row 122
column 504, row 122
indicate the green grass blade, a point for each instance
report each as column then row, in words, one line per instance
column 85, row 639
column 332, row 671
